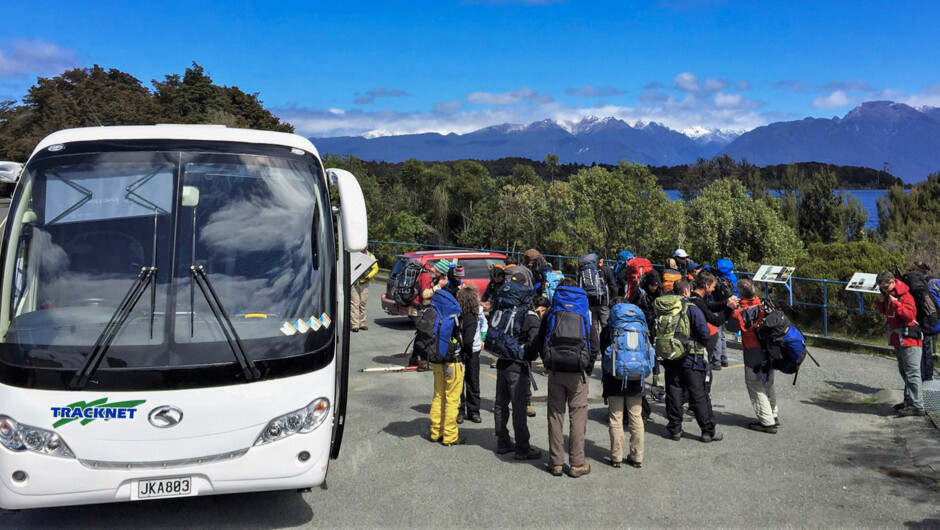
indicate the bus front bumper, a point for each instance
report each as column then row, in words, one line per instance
column 32, row 480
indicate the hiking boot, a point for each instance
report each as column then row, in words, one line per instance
column 459, row 418
column 634, row 463
column 708, row 438
column 900, row 406
column 577, row 471
column 505, row 449
column 556, row 471
column 615, row 464
column 461, row 439
column 686, row 417
column 760, row 427
column 363, row 328
column 532, row 454
column 355, row 330
column 716, row 367
column 724, row 364
column 776, row 422
column 529, row 411
column 475, row 418
column 435, row 440
column 911, row 411
column 676, row 437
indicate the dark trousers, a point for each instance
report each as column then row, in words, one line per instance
column 926, row 361
column 470, row 397
column 511, row 388
column 679, row 379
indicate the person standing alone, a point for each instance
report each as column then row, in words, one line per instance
column 897, row 305
column 359, row 294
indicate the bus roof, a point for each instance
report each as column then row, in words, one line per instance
column 210, row 133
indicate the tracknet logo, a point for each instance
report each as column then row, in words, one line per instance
column 99, row 409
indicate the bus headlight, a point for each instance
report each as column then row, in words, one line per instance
column 17, row 437
column 303, row 420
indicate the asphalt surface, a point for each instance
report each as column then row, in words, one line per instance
column 841, row 458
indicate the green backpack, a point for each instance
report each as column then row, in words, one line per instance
column 672, row 327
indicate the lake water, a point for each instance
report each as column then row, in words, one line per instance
column 868, row 199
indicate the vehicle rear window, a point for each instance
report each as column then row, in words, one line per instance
column 478, row 268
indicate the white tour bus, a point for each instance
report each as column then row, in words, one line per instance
column 173, row 315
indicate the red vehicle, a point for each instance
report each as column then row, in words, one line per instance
column 477, row 265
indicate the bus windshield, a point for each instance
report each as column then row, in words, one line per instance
column 84, row 227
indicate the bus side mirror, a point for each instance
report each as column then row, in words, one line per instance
column 10, row 171
column 352, row 209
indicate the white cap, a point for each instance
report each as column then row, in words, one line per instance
column 679, row 253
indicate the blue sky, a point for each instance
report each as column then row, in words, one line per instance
column 334, row 68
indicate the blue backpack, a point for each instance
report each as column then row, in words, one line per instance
column 568, row 341
column 552, row 279
column 630, row 355
column 622, row 258
column 933, row 291
column 435, row 331
column 510, row 305
column 783, row 341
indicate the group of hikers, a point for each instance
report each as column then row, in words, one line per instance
column 637, row 320
column 640, row 322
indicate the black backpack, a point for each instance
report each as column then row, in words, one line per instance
column 928, row 314
column 591, row 280
column 404, row 284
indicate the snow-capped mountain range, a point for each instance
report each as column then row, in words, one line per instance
column 874, row 134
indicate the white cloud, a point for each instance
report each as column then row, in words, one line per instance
column 22, row 58
column 928, row 96
column 689, row 83
column 832, row 101
column 590, row 91
column 514, row 97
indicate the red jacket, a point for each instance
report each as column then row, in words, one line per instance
column 901, row 313
column 748, row 334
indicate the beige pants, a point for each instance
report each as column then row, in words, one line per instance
column 637, row 429
column 763, row 397
column 357, row 304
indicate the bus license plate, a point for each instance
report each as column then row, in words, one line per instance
column 165, row 487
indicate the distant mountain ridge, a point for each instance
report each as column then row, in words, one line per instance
column 601, row 140
column 875, row 134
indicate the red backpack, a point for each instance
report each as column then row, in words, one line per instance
column 636, row 268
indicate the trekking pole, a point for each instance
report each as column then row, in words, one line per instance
column 813, row 358
column 532, row 379
column 390, row 369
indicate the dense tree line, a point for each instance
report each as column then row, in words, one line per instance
column 87, row 97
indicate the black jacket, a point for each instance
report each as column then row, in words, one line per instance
column 531, row 336
column 716, row 313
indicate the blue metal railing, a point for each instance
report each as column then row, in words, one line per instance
column 390, row 249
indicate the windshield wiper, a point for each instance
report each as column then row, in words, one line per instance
column 110, row 331
column 248, row 367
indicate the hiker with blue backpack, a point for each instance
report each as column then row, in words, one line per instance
column 898, row 307
column 727, row 287
column 758, row 375
column 505, row 340
column 627, row 361
column 446, row 332
column 513, row 379
column 571, row 347
column 681, row 336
